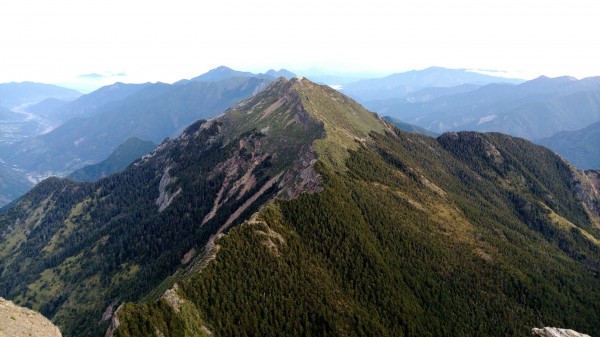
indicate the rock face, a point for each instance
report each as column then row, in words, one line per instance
column 16, row 321
column 556, row 332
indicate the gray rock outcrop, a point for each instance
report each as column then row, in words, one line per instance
column 556, row 332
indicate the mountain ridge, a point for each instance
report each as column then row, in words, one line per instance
column 534, row 109
column 298, row 202
column 579, row 147
column 15, row 94
column 399, row 84
column 152, row 112
column 119, row 159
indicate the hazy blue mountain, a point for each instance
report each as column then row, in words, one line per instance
column 428, row 94
column 400, row 84
column 15, row 94
column 297, row 212
column 46, row 108
column 334, row 78
column 8, row 115
column 533, row 109
column 280, row 73
column 406, row 127
column 13, row 184
column 86, row 105
column 420, row 96
column 542, row 118
column 580, row 147
column 222, row 73
column 122, row 156
column 17, row 125
column 154, row 112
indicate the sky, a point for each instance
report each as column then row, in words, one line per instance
column 75, row 42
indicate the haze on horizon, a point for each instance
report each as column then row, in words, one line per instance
column 67, row 41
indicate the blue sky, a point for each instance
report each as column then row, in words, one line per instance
column 137, row 41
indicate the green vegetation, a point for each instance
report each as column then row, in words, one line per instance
column 467, row 234
column 409, row 241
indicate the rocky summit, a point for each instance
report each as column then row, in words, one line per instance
column 556, row 332
column 16, row 321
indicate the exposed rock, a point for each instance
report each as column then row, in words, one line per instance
column 17, row 321
column 188, row 256
column 165, row 198
column 173, row 299
column 114, row 324
column 302, row 177
column 556, row 332
column 107, row 313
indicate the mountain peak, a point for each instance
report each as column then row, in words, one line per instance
column 555, row 80
column 345, row 123
column 222, row 72
column 280, row 73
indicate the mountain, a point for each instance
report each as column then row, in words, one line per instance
column 86, row 105
column 16, row 321
column 46, row 107
column 280, row 73
column 8, row 115
column 15, row 94
column 125, row 154
column 400, row 84
column 580, row 147
column 410, row 127
column 533, row 110
column 428, row 94
column 297, row 212
column 156, row 111
column 223, row 73
column 13, row 184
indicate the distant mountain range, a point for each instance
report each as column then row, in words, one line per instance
column 406, row 127
column 152, row 112
column 86, row 105
column 580, row 147
column 400, row 84
column 15, row 94
column 533, row 110
column 86, row 130
column 431, row 93
column 280, row 73
column 222, row 73
column 122, row 156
